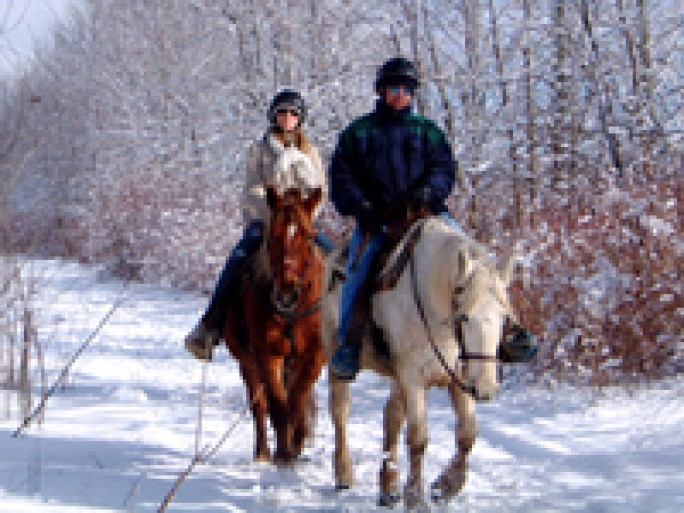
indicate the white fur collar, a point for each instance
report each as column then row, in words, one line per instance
column 291, row 168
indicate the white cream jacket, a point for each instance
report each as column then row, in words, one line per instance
column 271, row 163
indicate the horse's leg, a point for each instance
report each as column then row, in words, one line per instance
column 452, row 479
column 259, row 406
column 306, row 372
column 340, row 405
column 303, row 425
column 310, row 415
column 276, row 393
column 394, row 416
column 416, row 416
column 306, row 426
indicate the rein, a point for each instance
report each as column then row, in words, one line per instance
column 463, row 354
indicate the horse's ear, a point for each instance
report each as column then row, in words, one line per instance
column 314, row 199
column 507, row 266
column 271, row 196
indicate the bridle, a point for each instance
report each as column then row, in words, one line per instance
column 292, row 310
column 460, row 319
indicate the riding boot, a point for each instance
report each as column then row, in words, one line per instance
column 201, row 340
column 518, row 345
column 345, row 363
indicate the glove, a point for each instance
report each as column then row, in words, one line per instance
column 421, row 198
column 366, row 216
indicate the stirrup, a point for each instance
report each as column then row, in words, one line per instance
column 520, row 347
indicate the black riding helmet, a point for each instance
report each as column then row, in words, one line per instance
column 287, row 99
column 397, row 70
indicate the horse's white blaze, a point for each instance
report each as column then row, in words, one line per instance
column 291, row 230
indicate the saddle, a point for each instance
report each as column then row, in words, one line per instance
column 390, row 263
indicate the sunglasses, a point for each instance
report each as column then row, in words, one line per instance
column 396, row 89
column 288, row 111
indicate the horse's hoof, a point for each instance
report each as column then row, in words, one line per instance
column 437, row 495
column 342, row 487
column 448, row 485
column 389, row 500
column 262, row 458
column 414, row 500
column 284, row 460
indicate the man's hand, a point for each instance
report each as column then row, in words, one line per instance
column 367, row 217
column 421, row 198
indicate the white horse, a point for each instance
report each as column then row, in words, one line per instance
column 442, row 322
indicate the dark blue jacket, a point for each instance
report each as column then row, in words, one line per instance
column 384, row 156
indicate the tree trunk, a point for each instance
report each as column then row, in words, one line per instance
column 603, row 88
column 447, row 107
column 646, row 87
column 560, row 145
column 412, row 12
column 531, row 122
column 471, row 98
column 512, row 151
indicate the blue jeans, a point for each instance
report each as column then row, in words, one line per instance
column 246, row 246
column 358, row 267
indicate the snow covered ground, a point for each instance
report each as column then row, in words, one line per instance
column 117, row 436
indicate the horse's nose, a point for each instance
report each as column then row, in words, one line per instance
column 471, row 390
column 480, row 394
column 484, row 396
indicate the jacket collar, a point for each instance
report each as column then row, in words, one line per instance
column 388, row 114
column 274, row 142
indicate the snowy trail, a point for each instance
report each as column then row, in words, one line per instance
column 117, row 436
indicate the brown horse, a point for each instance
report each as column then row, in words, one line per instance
column 279, row 350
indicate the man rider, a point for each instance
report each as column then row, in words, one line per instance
column 386, row 159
